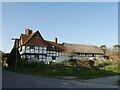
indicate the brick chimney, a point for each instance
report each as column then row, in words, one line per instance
column 28, row 31
column 55, row 40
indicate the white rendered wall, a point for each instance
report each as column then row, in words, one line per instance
column 61, row 58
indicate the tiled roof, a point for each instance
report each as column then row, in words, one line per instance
column 23, row 39
column 80, row 48
column 32, row 39
column 37, row 40
column 55, row 46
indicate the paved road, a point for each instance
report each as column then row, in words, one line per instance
column 15, row 80
column 111, row 80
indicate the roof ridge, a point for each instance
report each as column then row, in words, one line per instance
column 80, row 44
column 53, row 42
column 33, row 36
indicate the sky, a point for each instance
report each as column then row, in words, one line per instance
column 91, row 23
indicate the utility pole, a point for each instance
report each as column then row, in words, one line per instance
column 15, row 39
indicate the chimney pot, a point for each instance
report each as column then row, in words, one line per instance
column 28, row 31
column 56, row 40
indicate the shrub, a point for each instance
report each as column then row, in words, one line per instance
column 104, row 63
column 101, row 65
column 65, row 62
column 32, row 64
column 73, row 62
column 22, row 62
column 91, row 63
column 51, row 62
column 83, row 62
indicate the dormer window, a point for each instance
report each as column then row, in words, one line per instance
column 53, row 46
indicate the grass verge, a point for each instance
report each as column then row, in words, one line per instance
column 63, row 71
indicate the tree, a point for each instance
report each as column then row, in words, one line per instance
column 12, row 57
column 1, row 55
column 103, row 48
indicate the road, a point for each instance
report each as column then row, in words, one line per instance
column 15, row 80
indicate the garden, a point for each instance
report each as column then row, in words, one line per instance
column 81, row 69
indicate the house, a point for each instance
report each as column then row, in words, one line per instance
column 114, row 52
column 34, row 47
column 79, row 51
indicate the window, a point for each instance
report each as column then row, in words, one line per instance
column 40, row 47
column 43, row 56
column 36, row 47
column 40, row 51
column 36, row 56
column 40, row 56
column 54, row 54
column 28, row 56
column 27, row 47
column 32, row 47
column 53, row 57
column 37, row 37
column 32, row 50
column 27, row 51
column 78, row 54
column 44, row 51
column 52, row 47
column 36, row 51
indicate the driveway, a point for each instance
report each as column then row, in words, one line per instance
column 15, row 80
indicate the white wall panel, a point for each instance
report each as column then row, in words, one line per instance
column 23, row 47
column 40, row 51
column 32, row 50
column 36, row 51
column 27, row 51
column 36, row 47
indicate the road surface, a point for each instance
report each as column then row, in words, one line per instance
column 15, row 80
